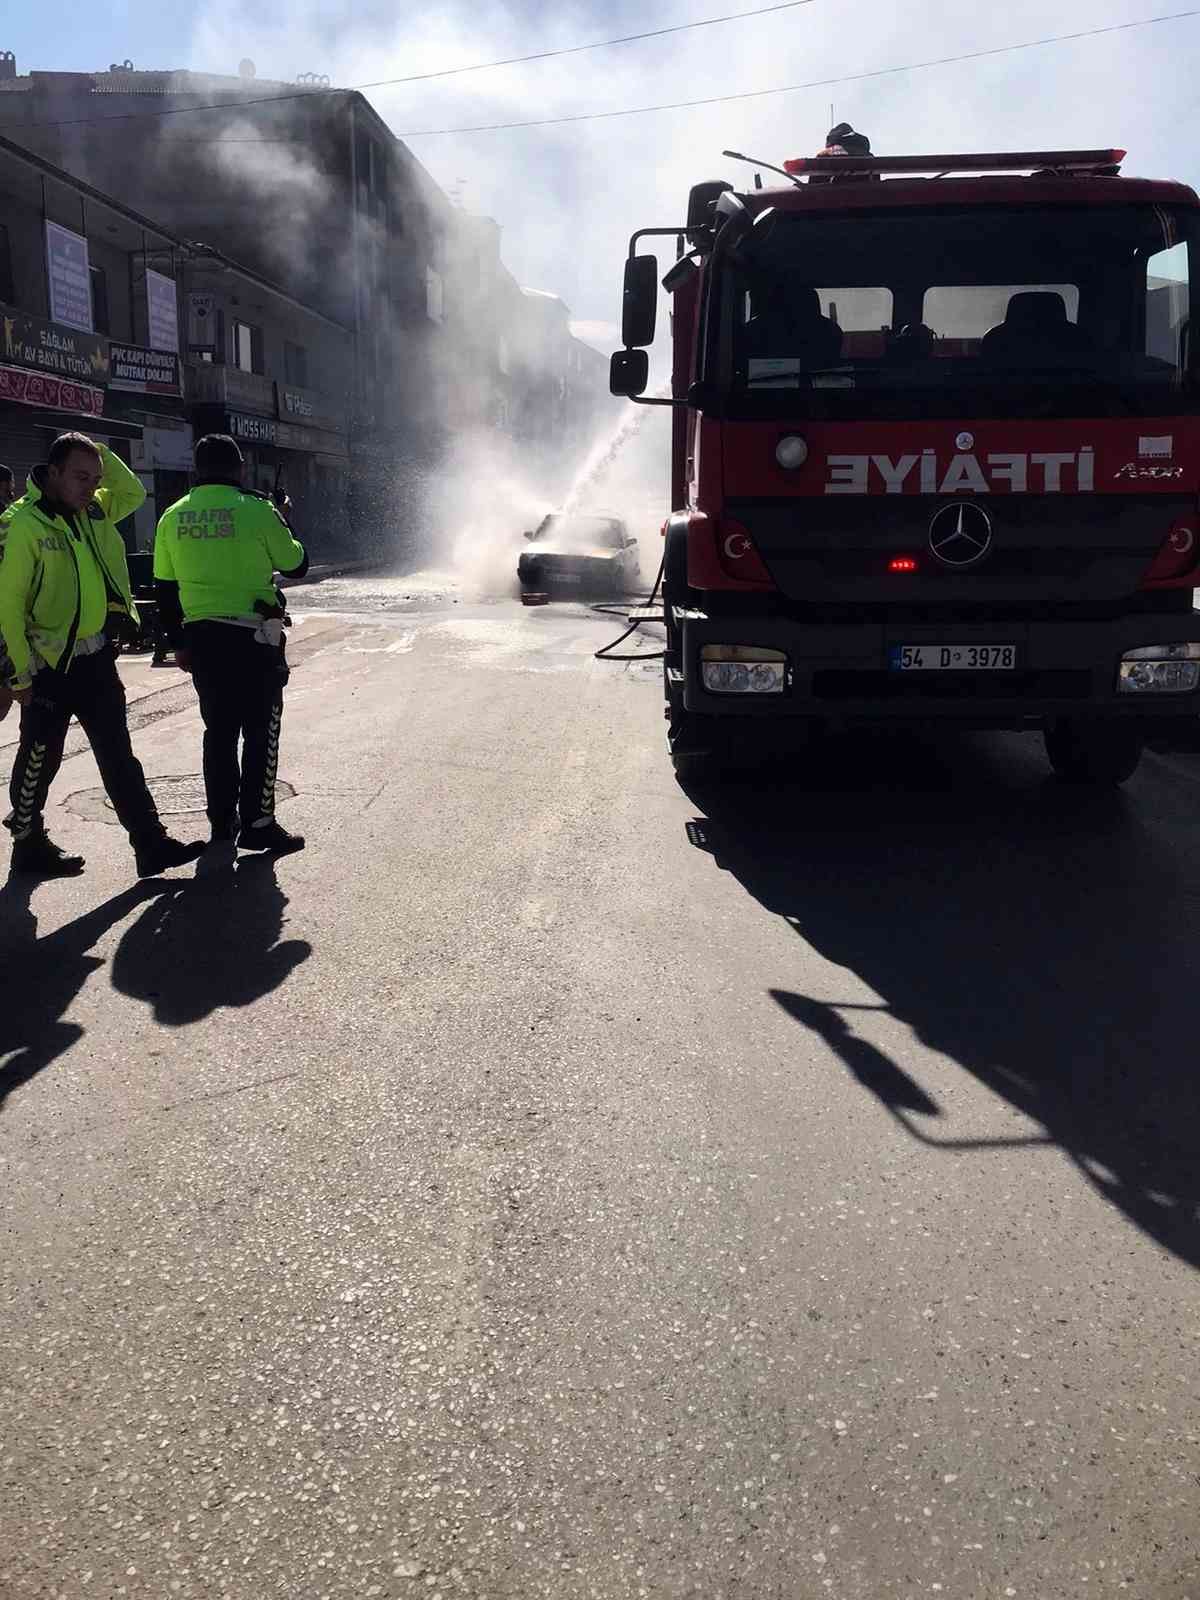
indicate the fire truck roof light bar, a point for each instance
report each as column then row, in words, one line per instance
column 1018, row 161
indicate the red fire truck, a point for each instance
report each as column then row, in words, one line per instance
column 936, row 454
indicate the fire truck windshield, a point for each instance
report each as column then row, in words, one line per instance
column 1000, row 310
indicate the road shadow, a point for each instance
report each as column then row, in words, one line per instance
column 208, row 943
column 1046, row 941
column 41, row 978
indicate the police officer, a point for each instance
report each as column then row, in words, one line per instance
column 7, row 496
column 216, row 554
column 65, row 602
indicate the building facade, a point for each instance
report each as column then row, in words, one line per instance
column 115, row 326
column 76, row 346
column 278, row 376
column 309, row 188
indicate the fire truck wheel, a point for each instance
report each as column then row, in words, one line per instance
column 696, row 766
column 1095, row 754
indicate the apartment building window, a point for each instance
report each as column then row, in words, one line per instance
column 7, row 288
column 100, row 319
column 362, row 168
column 247, row 347
column 295, row 364
column 435, row 296
column 371, row 172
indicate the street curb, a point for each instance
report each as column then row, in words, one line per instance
column 330, row 569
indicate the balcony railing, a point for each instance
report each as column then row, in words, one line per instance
column 230, row 386
column 208, row 384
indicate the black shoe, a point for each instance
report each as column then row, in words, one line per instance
column 37, row 856
column 160, row 855
column 271, row 837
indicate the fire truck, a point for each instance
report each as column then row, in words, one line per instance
column 935, row 452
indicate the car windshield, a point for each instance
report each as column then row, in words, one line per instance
column 575, row 533
column 989, row 310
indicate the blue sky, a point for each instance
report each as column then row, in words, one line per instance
column 568, row 197
column 171, row 35
column 85, row 35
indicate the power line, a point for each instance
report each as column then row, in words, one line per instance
column 578, row 49
column 425, row 77
column 627, row 111
column 814, row 83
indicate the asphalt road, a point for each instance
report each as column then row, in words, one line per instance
column 555, row 1183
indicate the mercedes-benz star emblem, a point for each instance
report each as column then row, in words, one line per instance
column 960, row 534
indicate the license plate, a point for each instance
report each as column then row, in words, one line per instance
column 952, row 657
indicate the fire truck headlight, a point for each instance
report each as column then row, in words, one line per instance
column 791, row 452
column 742, row 669
column 1160, row 669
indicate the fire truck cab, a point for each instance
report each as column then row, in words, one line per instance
column 936, row 454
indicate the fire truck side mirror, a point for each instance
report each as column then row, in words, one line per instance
column 629, row 373
column 639, row 303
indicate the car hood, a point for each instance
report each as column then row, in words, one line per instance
column 597, row 552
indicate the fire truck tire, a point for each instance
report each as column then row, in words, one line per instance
column 1093, row 754
column 698, row 748
column 695, row 766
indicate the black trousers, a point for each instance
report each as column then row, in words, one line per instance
column 240, row 686
column 90, row 690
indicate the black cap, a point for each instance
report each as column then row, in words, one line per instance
column 854, row 144
column 218, row 456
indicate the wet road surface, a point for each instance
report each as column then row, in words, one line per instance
column 558, row 1183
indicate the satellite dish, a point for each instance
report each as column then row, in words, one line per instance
column 246, row 68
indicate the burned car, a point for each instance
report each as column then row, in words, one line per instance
column 580, row 552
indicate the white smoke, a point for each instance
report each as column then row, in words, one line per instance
column 482, row 504
column 568, row 197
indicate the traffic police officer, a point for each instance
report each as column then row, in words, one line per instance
column 65, row 603
column 7, row 496
column 216, row 554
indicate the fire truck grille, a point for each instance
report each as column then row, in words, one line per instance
column 837, row 684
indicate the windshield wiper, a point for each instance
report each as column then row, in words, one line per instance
column 767, row 166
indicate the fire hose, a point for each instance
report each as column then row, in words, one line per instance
column 608, row 652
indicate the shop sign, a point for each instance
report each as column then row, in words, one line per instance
column 25, row 388
column 69, row 272
column 28, row 341
column 253, row 430
column 143, row 371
